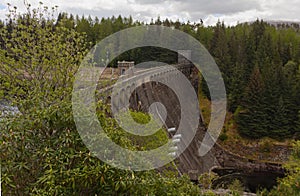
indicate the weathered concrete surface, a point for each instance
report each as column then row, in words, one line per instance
column 189, row 162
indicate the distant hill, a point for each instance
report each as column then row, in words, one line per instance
column 286, row 23
column 281, row 23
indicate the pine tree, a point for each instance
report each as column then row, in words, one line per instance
column 220, row 51
column 251, row 116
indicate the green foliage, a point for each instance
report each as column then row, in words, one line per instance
column 236, row 188
column 250, row 118
column 266, row 146
column 206, row 180
column 209, row 193
column 223, row 137
column 163, row 186
column 38, row 60
column 140, row 117
column 290, row 185
column 260, row 69
column 239, row 52
column 62, row 165
column 159, row 138
column 41, row 151
column 267, row 107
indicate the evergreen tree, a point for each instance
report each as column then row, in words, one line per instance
column 251, row 118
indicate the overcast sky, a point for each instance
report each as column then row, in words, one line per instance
column 229, row 11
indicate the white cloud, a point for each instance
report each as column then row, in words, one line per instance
column 230, row 11
column 236, row 18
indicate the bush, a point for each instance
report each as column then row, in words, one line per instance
column 290, row 184
column 223, row 137
column 236, row 188
column 41, row 150
column 266, row 146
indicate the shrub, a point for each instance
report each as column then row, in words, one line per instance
column 223, row 137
